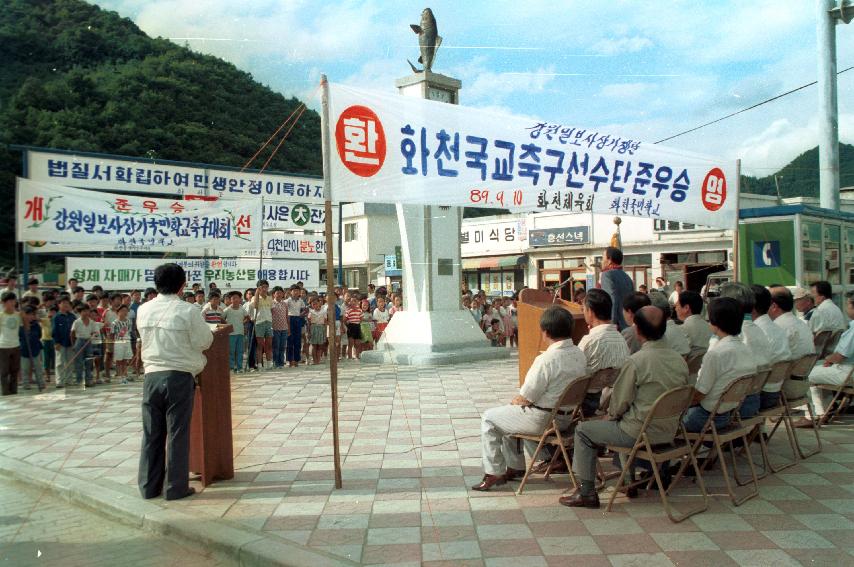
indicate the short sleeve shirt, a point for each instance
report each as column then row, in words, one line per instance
column 727, row 360
column 551, row 372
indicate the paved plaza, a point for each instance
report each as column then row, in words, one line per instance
column 410, row 441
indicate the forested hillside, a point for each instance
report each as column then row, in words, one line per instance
column 800, row 177
column 73, row 76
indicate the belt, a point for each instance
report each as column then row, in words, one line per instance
column 559, row 412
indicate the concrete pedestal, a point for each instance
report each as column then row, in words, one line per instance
column 433, row 328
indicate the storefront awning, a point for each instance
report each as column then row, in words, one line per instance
column 495, row 262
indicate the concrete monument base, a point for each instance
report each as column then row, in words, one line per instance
column 415, row 338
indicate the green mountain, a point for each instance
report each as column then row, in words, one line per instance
column 800, row 177
column 73, row 76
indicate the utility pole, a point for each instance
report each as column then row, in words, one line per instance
column 829, row 12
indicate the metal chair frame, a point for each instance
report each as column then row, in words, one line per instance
column 800, row 369
column 572, row 396
column 670, row 405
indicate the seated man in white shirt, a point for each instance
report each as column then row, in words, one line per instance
column 777, row 340
column 674, row 337
column 727, row 360
column 689, row 310
column 827, row 316
column 529, row 412
column 751, row 335
column 798, row 332
column 834, row 369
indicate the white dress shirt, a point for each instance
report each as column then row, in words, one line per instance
column 551, row 372
column 173, row 334
column 725, row 361
column 754, row 339
column 827, row 317
column 798, row 334
column 676, row 338
column 604, row 347
column 777, row 339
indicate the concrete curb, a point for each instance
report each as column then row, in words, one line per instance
column 247, row 547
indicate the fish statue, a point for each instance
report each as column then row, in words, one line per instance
column 429, row 41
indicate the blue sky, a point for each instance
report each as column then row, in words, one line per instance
column 644, row 69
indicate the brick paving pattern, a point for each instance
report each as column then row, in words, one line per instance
column 37, row 528
column 411, row 447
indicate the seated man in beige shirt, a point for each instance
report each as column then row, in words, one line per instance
column 653, row 370
column 689, row 309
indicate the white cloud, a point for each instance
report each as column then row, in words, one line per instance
column 623, row 91
column 621, row 45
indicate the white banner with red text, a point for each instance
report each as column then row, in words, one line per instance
column 53, row 213
column 394, row 148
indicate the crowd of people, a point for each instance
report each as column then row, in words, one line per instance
column 649, row 336
column 89, row 337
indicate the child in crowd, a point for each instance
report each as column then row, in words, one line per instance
column 280, row 326
column 120, row 330
column 48, row 353
column 345, row 340
column 367, row 325
column 494, row 333
column 317, row 318
column 506, row 320
column 32, row 365
column 111, row 315
column 396, row 305
column 95, row 343
column 297, row 311
column 62, row 344
column 212, row 312
column 353, row 318
column 235, row 315
column 83, row 331
column 381, row 318
column 10, row 344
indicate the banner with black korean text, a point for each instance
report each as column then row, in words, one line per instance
column 125, row 274
column 392, row 148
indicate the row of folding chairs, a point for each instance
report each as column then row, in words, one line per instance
column 735, row 439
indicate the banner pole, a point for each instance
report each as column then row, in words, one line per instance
column 735, row 239
column 330, row 269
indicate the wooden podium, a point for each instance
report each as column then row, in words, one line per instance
column 531, row 304
column 211, row 449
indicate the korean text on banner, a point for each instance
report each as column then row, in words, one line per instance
column 392, row 148
column 54, row 213
column 117, row 173
column 123, row 274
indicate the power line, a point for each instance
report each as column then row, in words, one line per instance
column 766, row 101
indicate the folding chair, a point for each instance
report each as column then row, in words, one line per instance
column 842, row 395
column 820, row 341
column 831, row 344
column 795, row 393
column 779, row 373
column 753, row 423
column 734, row 394
column 669, row 406
column 603, row 380
column 572, row 396
column 695, row 360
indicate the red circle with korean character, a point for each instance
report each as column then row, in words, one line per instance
column 360, row 139
column 714, row 189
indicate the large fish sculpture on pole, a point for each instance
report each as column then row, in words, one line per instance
column 428, row 40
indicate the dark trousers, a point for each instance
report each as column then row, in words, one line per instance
column 10, row 367
column 253, row 345
column 167, row 405
column 294, row 345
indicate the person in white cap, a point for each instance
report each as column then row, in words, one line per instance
column 804, row 305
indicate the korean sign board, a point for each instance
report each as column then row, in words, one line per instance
column 503, row 237
column 560, row 236
column 392, row 147
column 52, row 213
column 229, row 274
column 148, row 176
column 278, row 245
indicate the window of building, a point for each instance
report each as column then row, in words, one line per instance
column 351, row 231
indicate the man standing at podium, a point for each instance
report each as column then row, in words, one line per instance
column 173, row 335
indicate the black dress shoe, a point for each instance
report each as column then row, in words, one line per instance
column 576, row 500
column 513, row 474
column 190, row 492
column 489, row 480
